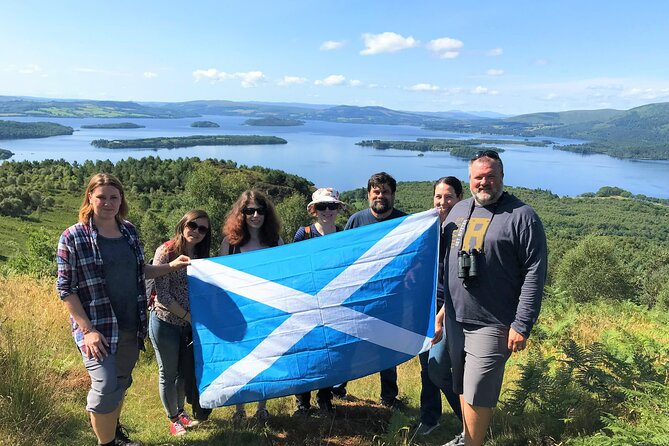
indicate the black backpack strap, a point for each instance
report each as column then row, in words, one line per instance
column 307, row 232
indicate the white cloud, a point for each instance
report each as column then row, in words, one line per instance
column 645, row 93
column 424, row 87
column 494, row 72
column 445, row 47
column 30, row 69
column 332, row 80
column 483, row 90
column 355, row 83
column 541, row 62
column 551, row 96
column 292, row 80
column 150, row 75
column 495, row 52
column 330, row 45
column 248, row 79
column 387, row 42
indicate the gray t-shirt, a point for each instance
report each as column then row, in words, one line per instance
column 120, row 270
column 511, row 271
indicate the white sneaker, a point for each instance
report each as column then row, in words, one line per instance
column 459, row 440
column 426, row 429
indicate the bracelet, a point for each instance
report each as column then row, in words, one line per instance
column 85, row 331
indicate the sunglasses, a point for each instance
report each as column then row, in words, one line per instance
column 328, row 206
column 194, row 226
column 251, row 211
column 485, row 153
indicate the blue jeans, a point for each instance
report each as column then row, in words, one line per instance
column 170, row 343
column 435, row 374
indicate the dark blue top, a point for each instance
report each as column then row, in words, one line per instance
column 365, row 217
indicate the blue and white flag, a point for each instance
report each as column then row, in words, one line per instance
column 312, row 314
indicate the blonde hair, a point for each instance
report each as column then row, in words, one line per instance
column 97, row 180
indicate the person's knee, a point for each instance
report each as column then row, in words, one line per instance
column 104, row 400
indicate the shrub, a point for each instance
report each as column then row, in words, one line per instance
column 592, row 270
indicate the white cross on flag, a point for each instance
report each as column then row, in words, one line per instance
column 308, row 315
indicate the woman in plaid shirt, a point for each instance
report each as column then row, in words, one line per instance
column 101, row 274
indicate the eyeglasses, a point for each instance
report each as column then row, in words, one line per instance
column 328, row 206
column 194, row 226
column 251, row 211
column 487, row 153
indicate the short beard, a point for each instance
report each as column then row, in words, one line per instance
column 489, row 199
column 380, row 206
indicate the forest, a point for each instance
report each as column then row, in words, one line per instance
column 186, row 141
column 114, row 125
column 23, row 130
column 596, row 372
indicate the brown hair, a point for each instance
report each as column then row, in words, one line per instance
column 97, row 180
column 449, row 181
column 381, row 178
column 178, row 242
column 235, row 228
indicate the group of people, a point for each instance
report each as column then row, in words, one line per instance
column 492, row 272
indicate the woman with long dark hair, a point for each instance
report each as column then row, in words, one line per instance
column 101, row 274
column 251, row 224
column 170, row 321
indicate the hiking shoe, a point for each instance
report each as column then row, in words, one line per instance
column 186, row 420
column 395, row 404
column 122, row 437
column 326, row 407
column 302, row 412
column 339, row 393
column 177, row 429
column 426, row 429
column 459, row 440
column 239, row 415
column 261, row 414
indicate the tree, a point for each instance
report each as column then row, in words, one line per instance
column 592, row 270
column 292, row 214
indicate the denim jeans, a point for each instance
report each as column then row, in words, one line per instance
column 437, row 364
column 170, row 342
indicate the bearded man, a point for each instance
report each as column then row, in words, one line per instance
column 381, row 197
column 495, row 271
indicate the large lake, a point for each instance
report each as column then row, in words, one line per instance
column 326, row 154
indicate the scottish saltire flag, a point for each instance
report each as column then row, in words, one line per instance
column 312, row 314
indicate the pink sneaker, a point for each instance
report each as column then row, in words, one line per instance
column 177, row 429
column 186, row 420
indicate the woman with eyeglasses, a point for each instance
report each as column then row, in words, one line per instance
column 251, row 224
column 170, row 322
column 101, row 274
column 324, row 207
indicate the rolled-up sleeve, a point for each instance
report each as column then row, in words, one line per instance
column 66, row 259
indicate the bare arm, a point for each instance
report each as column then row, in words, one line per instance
column 153, row 271
column 95, row 344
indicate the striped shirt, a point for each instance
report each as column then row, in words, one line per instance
column 81, row 272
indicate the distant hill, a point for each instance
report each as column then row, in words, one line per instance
column 85, row 109
column 641, row 132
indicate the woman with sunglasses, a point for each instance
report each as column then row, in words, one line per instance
column 251, row 224
column 101, row 274
column 324, row 207
column 170, row 321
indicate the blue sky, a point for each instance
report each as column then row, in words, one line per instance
column 504, row 56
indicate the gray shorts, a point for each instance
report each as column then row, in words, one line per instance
column 112, row 376
column 478, row 356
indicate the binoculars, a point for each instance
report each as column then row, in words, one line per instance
column 468, row 264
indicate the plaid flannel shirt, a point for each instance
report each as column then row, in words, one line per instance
column 81, row 272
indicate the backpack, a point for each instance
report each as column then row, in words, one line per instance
column 151, row 283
